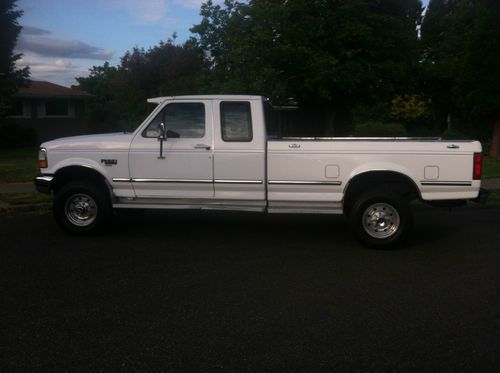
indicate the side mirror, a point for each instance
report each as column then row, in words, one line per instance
column 163, row 133
column 162, row 137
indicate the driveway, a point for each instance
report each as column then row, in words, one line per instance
column 233, row 292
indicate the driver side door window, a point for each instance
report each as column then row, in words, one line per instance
column 182, row 121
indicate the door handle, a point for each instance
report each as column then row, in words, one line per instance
column 453, row 146
column 202, row 146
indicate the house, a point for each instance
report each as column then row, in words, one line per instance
column 51, row 110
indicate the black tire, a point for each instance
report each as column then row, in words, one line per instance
column 381, row 220
column 82, row 208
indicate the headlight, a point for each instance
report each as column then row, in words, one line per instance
column 42, row 158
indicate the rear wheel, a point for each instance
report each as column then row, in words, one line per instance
column 381, row 220
column 81, row 207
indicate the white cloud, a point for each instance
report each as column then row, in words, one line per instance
column 35, row 40
column 61, row 71
column 30, row 30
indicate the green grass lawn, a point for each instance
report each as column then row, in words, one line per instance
column 18, row 165
column 491, row 169
column 494, row 196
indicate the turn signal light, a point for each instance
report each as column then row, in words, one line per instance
column 477, row 169
column 42, row 158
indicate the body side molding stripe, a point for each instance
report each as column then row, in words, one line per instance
column 446, row 183
column 218, row 181
column 222, row 181
column 296, row 182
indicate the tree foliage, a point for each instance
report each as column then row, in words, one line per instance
column 358, row 60
column 310, row 49
column 10, row 77
column 163, row 70
column 408, row 108
column 333, row 54
column 461, row 41
column 102, row 108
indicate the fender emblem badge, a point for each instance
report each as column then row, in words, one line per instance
column 109, row 162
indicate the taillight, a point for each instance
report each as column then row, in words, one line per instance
column 42, row 158
column 477, row 169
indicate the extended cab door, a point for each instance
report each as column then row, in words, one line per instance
column 185, row 169
column 240, row 153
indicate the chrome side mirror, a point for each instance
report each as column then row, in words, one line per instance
column 163, row 133
column 162, row 137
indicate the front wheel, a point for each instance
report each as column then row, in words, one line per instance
column 381, row 220
column 82, row 207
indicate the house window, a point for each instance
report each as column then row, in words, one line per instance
column 19, row 109
column 56, row 109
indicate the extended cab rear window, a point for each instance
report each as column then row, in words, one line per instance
column 236, row 121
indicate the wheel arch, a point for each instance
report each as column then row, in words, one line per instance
column 370, row 180
column 78, row 172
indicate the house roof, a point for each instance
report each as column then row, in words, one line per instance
column 39, row 89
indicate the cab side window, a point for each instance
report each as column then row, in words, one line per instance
column 182, row 120
column 236, row 121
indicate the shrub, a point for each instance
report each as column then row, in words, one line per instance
column 15, row 136
column 379, row 129
column 453, row 134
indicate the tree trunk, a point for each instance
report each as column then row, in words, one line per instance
column 495, row 141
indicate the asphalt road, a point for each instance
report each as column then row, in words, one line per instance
column 231, row 292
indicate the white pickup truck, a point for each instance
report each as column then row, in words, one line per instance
column 212, row 153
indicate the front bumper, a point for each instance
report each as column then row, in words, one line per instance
column 44, row 183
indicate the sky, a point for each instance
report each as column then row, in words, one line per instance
column 62, row 39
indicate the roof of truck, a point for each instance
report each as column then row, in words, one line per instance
column 159, row 100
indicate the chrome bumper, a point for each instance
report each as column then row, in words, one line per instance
column 44, row 183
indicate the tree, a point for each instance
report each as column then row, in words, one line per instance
column 328, row 54
column 445, row 30
column 102, row 108
column 478, row 87
column 121, row 92
column 163, row 70
column 461, row 40
column 10, row 77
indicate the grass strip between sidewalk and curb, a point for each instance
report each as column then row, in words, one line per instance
column 494, row 196
column 25, row 202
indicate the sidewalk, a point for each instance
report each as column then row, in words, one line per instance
column 489, row 184
column 17, row 188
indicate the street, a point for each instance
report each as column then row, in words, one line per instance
column 170, row 291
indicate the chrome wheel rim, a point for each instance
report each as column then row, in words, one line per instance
column 381, row 220
column 80, row 210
